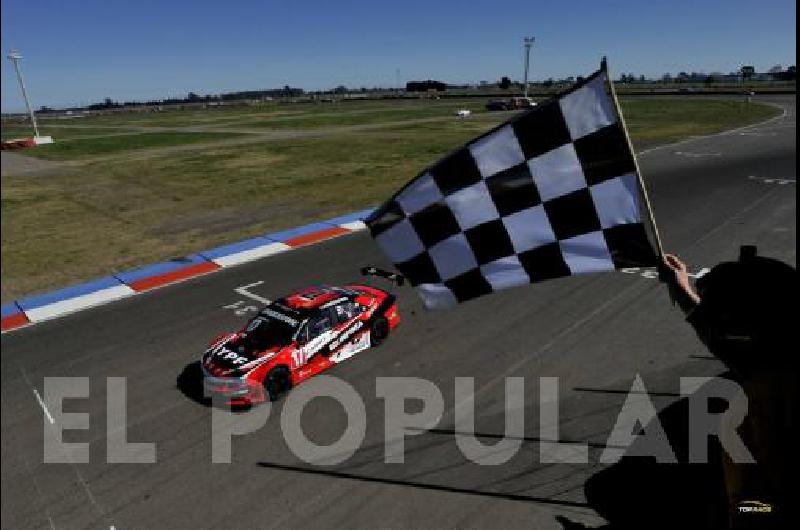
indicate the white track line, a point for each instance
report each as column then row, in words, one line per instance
column 44, row 407
column 243, row 290
column 785, row 115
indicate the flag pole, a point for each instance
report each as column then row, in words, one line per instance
column 651, row 217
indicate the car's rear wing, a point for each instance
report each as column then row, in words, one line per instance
column 399, row 279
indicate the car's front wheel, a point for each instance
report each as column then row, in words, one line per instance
column 278, row 382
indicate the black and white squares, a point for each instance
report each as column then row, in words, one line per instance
column 400, row 242
column 419, row 270
column 472, row 205
column 419, row 194
column 604, row 154
column 386, row 217
column 617, row 200
column 551, row 193
column 453, row 256
column 586, row 253
column 541, row 130
column 544, row 263
column 587, row 108
column 490, row 241
column 572, row 214
column 504, row 273
column 557, row 172
column 629, row 245
column 435, row 223
column 513, row 190
column 455, row 172
column 497, row 151
column 469, row 285
column 529, row 229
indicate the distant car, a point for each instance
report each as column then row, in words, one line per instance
column 521, row 103
column 296, row 338
column 463, row 113
column 498, row 104
column 511, row 104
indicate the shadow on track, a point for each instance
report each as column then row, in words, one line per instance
column 638, row 492
column 419, row 485
column 190, row 383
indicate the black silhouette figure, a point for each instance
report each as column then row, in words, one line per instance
column 745, row 314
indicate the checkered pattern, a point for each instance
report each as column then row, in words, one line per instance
column 551, row 193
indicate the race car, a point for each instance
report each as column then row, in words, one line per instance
column 297, row 337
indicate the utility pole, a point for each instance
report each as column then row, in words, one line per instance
column 528, row 44
column 15, row 57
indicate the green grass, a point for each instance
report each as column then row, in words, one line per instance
column 658, row 121
column 341, row 119
column 90, row 147
column 60, row 133
column 650, row 121
column 100, row 214
column 311, row 120
column 170, row 118
column 243, row 115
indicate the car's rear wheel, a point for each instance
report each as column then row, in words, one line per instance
column 378, row 331
column 278, row 382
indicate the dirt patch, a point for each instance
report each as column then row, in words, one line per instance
column 18, row 164
column 251, row 162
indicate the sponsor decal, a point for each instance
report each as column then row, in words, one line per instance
column 230, row 356
column 346, row 335
column 754, row 507
column 360, row 343
column 252, row 365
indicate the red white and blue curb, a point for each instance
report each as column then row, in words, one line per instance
column 54, row 304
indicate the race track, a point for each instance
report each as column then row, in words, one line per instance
column 594, row 333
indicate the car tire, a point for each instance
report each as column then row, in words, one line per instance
column 277, row 382
column 378, row 331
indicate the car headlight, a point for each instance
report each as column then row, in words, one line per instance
column 227, row 385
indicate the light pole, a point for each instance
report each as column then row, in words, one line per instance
column 15, row 57
column 528, row 44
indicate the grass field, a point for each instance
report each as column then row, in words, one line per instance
column 241, row 116
column 123, row 201
column 62, row 133
column 79, row 148
column 340, row 117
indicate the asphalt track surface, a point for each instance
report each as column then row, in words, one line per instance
column 594, row 333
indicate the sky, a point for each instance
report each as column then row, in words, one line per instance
column 78, row 52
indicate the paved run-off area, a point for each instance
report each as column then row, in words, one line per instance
column 594, row 333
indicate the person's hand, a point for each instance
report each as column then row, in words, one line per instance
column 677, row 277
column 677, row 270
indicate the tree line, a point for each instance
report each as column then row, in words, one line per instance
column 776, row 73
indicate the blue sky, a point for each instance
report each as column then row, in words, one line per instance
column 80, row 51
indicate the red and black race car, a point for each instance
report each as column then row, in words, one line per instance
column 298, row 337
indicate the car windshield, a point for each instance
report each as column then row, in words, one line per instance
column 265, row 331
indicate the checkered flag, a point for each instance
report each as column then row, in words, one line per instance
column 553, row 192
